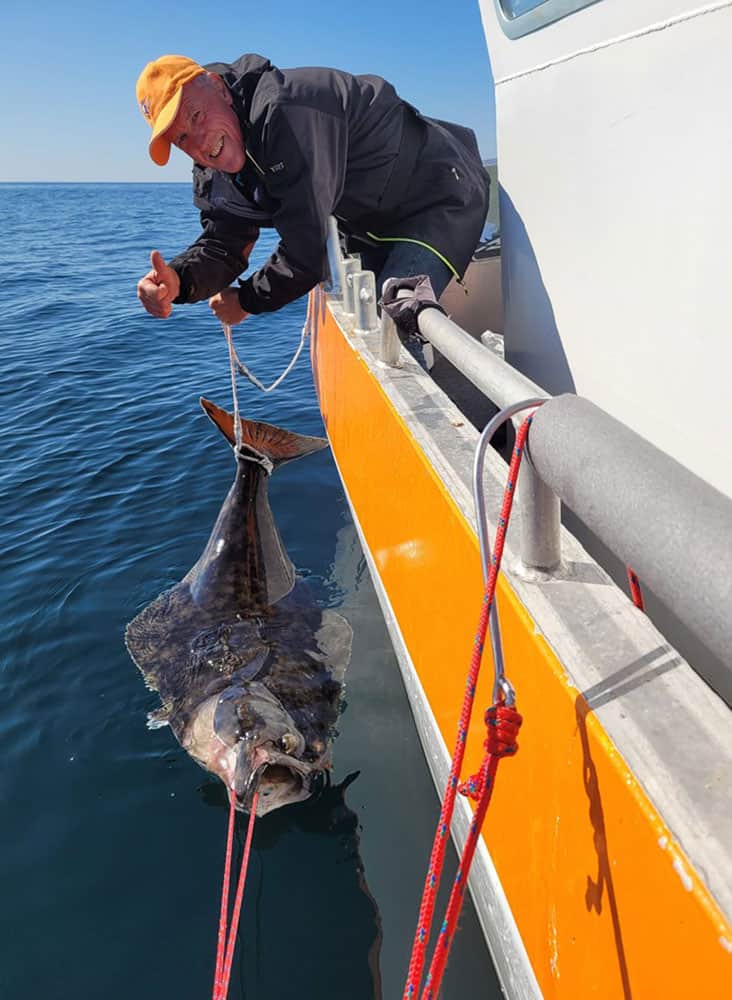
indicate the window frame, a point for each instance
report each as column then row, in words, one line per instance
column 547, row 12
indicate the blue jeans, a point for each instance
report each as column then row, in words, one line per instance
column 404, row 260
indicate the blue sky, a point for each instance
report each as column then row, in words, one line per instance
column 68, row 69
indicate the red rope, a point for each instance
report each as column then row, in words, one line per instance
column 224, row 949
column 224, row 914
column 437, row 857
column 503, row 722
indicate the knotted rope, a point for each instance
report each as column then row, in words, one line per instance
column 500, row 742
column 503, row 723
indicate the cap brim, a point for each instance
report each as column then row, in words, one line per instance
column 159, row 147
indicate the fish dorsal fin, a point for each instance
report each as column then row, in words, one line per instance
column 275, row 443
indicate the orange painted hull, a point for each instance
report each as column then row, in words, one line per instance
column 604, row 900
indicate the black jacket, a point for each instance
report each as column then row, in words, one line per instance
column 321, row 142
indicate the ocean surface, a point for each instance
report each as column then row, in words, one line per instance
column 111, row 837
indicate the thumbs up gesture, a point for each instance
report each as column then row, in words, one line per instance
column 157, row 289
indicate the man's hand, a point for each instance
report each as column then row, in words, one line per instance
column 159, row 287
column 225, row 306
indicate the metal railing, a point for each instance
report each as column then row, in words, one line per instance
column 540, row 510
column 672, row 527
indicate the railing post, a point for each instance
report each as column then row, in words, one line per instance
column 541, row 511
column 390, row 346
column 364, row 295
column 350, row 266
column 335, row 258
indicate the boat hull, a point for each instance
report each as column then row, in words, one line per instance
column 582, row 888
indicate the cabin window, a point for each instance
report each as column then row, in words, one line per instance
column 520, row 17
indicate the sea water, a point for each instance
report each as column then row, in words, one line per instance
column 112, row 837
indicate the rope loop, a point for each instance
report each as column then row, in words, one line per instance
column 237, row 365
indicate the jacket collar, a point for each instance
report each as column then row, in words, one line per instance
column 242, row 77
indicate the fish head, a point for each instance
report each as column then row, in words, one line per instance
column 264, row 745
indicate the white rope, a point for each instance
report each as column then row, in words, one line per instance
column 238, row 365
column 313, row 318
column 232, row 365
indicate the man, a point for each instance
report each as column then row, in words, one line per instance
column 286, row 149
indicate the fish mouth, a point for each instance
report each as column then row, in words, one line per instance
column 269, row 763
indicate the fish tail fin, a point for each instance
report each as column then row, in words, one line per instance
column 275, row 443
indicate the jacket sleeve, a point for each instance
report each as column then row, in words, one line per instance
column 304, row 154
column 219, row 255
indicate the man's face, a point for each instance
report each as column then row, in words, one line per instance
column 206, row 128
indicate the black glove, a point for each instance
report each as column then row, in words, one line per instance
column 404, row 311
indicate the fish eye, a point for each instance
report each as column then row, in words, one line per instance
column 288, row 742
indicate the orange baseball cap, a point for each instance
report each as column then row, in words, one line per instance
column 158, row 94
